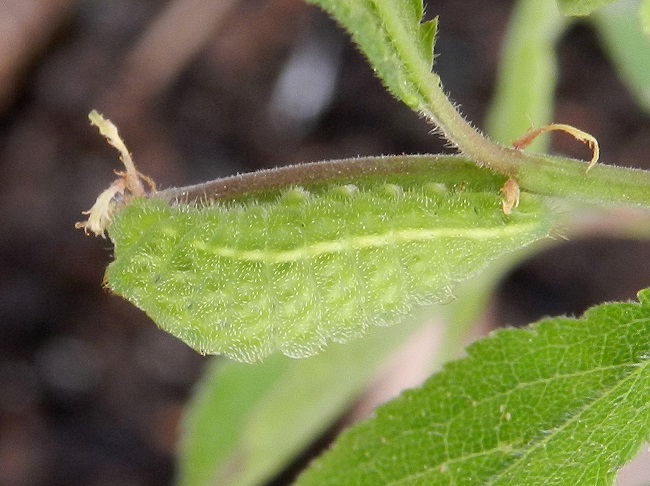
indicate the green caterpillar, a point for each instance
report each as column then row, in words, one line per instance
column 248, row 265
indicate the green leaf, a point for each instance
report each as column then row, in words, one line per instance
column 621, row 32
column 247, row 422
column 527, row 75
column 566, row 401
column 581, row 7
column 298, row 267
column 216, row 416
column 474, row 297
column 398, row 45
column 644, row 15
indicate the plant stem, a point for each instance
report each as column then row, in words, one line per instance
column 471, row 143
column 540, row 174
column 564, row 177
column 397, row 43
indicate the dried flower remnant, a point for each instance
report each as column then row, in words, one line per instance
column 123, row 190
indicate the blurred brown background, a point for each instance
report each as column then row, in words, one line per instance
column 90, row 391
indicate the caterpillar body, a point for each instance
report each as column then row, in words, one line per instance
column 292, row 259
column 310, row 266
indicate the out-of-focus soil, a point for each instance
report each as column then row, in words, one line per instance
column 90, row 391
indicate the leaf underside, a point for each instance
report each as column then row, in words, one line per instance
column 564, row 402
column 644, row 15
column 628, row 46
column 397, row 43
column 246, row 423
column 581, row 7
column 527, row 76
